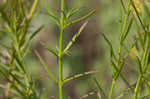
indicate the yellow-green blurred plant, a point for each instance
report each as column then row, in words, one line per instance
column 15, row 20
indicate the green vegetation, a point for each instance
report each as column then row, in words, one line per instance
column 21, row 77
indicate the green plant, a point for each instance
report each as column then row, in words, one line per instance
column 15, row 24
column 141, row 47
column 63, row 22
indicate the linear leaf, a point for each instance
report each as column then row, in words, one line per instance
column 110, row 45
column 51, row 75
column 128, row 29
column 4, row 75
column 71, row 12
column 123, row 6
column 17, row 80
column 37, row 31
column 18, row 90
column 51, row 14
column 20, row 64
column 53, row 17
column 53, row 51
column 4, row 66
column 27, row 44
column 82, row 18
column 113, row 63
column 80, row 75
column 100, row 88
column 139, row 18
column 27, row 48
column 88, row 94
column 75, row 37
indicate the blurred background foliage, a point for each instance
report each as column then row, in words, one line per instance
column 90, row 52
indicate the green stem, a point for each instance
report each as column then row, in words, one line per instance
column 122, row 38
column 60, row 56
column 112, row 89
column 32, row 11
column 143, row 62
column 60, row 64
column 137, row 87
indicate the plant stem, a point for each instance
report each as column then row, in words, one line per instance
column 60, row 59
column 60, row 56
column 137, row 87
column 33, row 9
column 112, row 89
column 143, row 62
column 122, row 38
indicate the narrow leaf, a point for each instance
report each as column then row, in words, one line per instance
column 18, row 90
column 4, row 75
column 113, row 64
column 139, row 64
column 51, row 75
column 100, row 88
column 71, row 12
column 123, row 6
column 4, row 66
column 139, row 18
column 37, row 31
column 27, row 48
column 53, row 51
column 75, row 37
column 88, row 94
column 18, row 81
column 110, row 45
column 27, row 44
column 51, row 14
column 53, row 17
column 20, row 64
column 82, row 18
column 127, row 31
column 145, row 14
column 80, row 75
column 122, row 77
